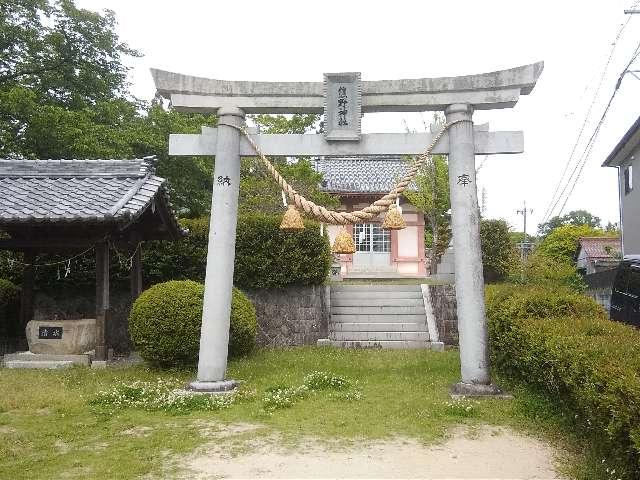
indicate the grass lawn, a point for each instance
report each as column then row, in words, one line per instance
column 48, row 429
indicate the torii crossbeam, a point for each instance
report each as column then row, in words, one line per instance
column 343, row 98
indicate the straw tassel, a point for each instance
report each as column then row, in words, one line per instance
column 292, row 221
column 344, row 242
column 393, row 220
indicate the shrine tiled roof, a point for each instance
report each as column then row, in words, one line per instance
column 374, row 174
column 88, row 191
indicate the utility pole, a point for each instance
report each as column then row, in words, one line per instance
column 524, row 245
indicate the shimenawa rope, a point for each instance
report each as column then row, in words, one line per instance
column 345, row 218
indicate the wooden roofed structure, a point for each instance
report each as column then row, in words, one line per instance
column 67, row 206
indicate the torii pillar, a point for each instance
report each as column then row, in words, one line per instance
column 216, row 309
column 465, row 226
column 342, row 97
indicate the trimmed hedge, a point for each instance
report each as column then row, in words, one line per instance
column 165, row 321
column 266, row 257
column 9, row 307
column 563, row 342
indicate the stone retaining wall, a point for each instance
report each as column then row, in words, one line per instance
column 291, row 316
column 286, row 317
column 443, row 302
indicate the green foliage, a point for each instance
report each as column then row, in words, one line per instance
column 190, row 178
column 296, row 123
column 540, row 269
column 431, row 197
column 165, row 322
column 244, row 327
column 498, row 253
column 576, row 218
column 260, row 193
column 563, row 343
column 516, row 302
column 63, row 94
column 323, row 380
column 9, row 307
column 266, row 257
column 561, row 244
column 279, row 397
column 67, row 56
column 62, row 81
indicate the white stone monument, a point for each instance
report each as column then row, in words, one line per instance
column 343, row 97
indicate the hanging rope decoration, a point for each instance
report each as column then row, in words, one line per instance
column 345, row 218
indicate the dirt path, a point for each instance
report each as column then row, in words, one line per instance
column 485, row 453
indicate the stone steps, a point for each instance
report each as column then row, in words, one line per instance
column 373, row 318
column 379, row 336
column 376, row 294
column 376, row 327
column 380, row 301
column 378, row 310
column 375, row 287
column 378, row 316
column 390, row 344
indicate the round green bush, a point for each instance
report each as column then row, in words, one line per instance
column 165, row 321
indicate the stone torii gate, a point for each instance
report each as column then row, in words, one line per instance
column 343, row 98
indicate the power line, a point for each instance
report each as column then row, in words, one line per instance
column 587, row 151
column 554, row 201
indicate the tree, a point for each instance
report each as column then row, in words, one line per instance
column 67, row 56
column 190, row 178
column 431, row 197
column 498, row 252
column 62, row 81
column 576, row 217
column 561, row 244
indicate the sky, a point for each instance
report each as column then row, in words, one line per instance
column 297, row 40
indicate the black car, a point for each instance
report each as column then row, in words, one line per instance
column 625, row 294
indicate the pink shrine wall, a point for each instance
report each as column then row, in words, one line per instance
column 407, row 245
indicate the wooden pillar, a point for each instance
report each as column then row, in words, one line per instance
column 102, row 299
column 26, row 296
column 135, row 276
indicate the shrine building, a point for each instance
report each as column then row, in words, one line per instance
column 358, row 182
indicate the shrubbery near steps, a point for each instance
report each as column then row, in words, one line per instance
column 563, row 342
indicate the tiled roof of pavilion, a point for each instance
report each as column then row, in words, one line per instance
column 374, row 174
column 87, row 191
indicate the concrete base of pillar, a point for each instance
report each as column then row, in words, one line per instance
column 461, row 390
column 222, row 386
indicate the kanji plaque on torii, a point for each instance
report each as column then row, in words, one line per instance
column 343, row 97
column 342, row 106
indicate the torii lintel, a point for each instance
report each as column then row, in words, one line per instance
column 493, row 90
